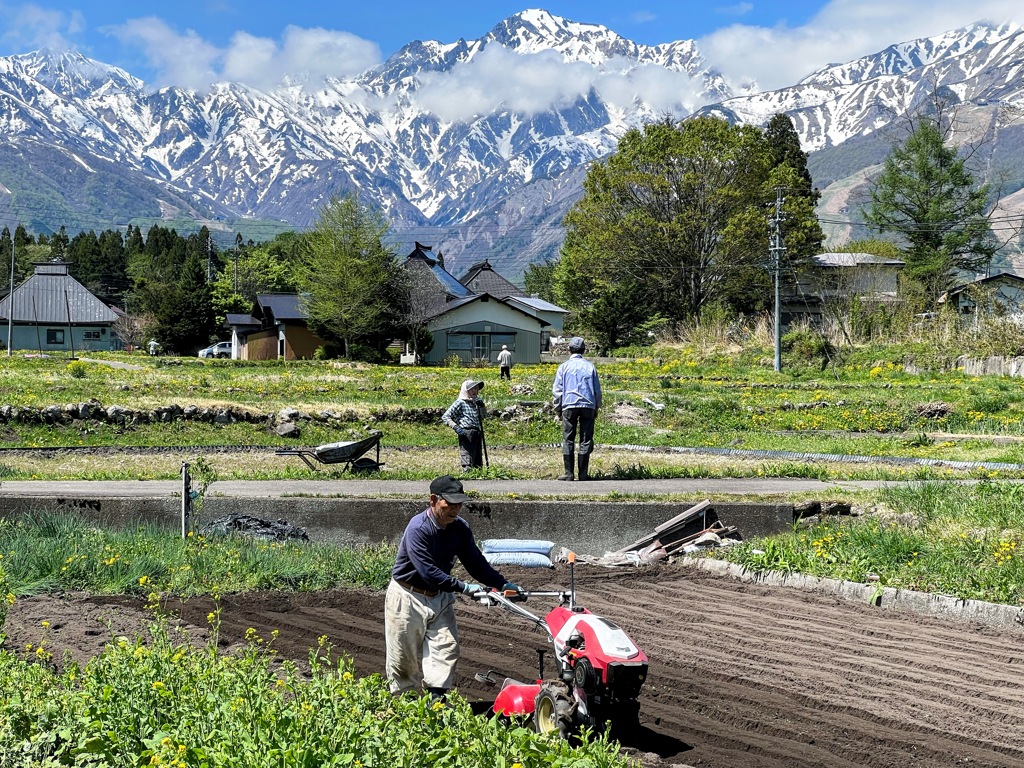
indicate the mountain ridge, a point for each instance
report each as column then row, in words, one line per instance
column 405, row 135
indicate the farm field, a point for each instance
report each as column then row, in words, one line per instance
column 742, row 676
column 868, row 407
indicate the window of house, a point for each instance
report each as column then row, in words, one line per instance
column 91, row 335
column 459, row 341
column 54, row 335
column 503, row 339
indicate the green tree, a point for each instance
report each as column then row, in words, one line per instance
column 539, row 280
column 929, row 202
column 183, row 311
column 680, row 211
column 801, row 232
column 353, row 286
column 251, row 271
column 59, row 244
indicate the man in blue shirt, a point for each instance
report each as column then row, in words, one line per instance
column 420, row 632
column 576, row 396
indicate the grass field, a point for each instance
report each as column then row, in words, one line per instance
column 670, row 397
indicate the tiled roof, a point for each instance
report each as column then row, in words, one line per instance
column 481, row 278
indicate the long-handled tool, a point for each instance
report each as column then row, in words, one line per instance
column 483, row 437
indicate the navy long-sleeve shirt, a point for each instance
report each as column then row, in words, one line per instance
column 427, row 552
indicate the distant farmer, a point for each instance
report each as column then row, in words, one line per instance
column 465, row 416
column 576, row 396
column 505, row 363
column 422, row 638
column 152, row 346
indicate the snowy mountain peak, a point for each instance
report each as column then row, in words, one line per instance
column 72, row 74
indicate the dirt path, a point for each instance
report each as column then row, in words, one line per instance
column 741, row 676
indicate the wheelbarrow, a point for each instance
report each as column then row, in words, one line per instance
column 349, row 454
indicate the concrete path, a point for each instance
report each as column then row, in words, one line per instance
column 401, row 489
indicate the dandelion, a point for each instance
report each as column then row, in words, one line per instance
column 45, row 623
column 143, row 580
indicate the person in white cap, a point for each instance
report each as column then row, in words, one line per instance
column 466, row 416
column 505, row 363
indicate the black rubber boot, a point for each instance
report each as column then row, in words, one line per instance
column 567, row 460
column 584, row 464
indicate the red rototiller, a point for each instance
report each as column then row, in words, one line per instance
column 599, row 669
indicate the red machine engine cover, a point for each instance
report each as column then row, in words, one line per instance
column 516, row 699
column 605, row 642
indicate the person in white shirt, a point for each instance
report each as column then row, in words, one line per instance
column 505, row 363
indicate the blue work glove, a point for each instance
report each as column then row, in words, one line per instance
column 460, row 431
column 472, row 589
column 510, row 587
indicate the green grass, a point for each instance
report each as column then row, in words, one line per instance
column 58, row 551
column 964, row 541
column 867, row 406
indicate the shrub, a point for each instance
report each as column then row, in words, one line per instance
column 808, row 347
column 77, row 369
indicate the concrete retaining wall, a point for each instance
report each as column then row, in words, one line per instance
column 586, row 527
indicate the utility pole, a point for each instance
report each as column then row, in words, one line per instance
column 209, row 259
column 777, row 249
column 10, row 302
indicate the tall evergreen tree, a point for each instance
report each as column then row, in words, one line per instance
column 928, row 201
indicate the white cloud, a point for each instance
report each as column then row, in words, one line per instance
column 740, row 9
column 533, row 83
column 188, row 61
column 184, row 60
column 260, row 62
column 842, row 31
column 30, row 26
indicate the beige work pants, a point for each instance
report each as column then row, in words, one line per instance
column 422, row 639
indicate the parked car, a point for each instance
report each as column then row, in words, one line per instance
column 220, row 349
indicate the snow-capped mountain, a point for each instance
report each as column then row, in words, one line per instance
column 87, row 145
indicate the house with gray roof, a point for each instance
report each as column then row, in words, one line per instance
column 1001, row 295
column 467, row 323
column 481, row 278
column 834, row 279
column 53, row 312
column 276, row 329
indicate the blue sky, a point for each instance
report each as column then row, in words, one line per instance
column 191, row 43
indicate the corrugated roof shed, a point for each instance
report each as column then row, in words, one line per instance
column 51, row 296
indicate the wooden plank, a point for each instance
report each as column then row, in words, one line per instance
column 684, row 517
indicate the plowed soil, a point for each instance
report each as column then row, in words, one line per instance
column 741, row 675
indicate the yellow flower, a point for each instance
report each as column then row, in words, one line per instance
column 157, row 685
column 143, row 580
column 45, row 623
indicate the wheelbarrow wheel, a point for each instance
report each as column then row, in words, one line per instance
column 555, row 712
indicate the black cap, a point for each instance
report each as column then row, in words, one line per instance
column 449, row 489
